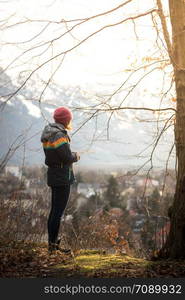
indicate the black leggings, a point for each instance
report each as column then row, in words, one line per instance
column 59, row 199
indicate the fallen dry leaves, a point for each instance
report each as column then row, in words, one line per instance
column 27, row 259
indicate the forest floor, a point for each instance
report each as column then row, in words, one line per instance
column 21, row 260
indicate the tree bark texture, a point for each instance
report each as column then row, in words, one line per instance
column 175, row 244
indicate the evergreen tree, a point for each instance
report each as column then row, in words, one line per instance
column 112, row 194
column 154, row 202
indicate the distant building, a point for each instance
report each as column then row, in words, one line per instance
column 68, row 218
column 132, row 204
column 132, row 212
column 89, row 189
column 81, row 201
column 128, row 192
column 147, row 185
column 14, row 170
column 116, row 212
column 147, row 182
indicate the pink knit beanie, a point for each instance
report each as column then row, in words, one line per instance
column 62, row 115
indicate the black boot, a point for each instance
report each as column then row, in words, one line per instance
column 52, row 247
column 63, row 250
column 55, row 247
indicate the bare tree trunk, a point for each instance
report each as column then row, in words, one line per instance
column 175, row 245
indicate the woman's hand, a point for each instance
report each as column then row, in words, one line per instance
column 77, row 156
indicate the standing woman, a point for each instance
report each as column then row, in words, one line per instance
column 59, row 159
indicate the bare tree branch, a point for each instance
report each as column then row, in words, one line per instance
column 75, row 46
column 129, row 107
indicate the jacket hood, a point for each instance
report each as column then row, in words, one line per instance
column 51, row 130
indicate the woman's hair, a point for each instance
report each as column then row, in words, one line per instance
column 69, row 126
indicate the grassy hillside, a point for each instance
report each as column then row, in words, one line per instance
column 20, row 260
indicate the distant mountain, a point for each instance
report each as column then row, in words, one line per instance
column 102, row 144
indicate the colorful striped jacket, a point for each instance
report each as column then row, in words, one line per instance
column 58, row 155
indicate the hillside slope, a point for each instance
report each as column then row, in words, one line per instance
column 21, row 260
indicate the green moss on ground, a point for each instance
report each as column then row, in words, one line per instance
column 89, row 263
column 27, row 259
